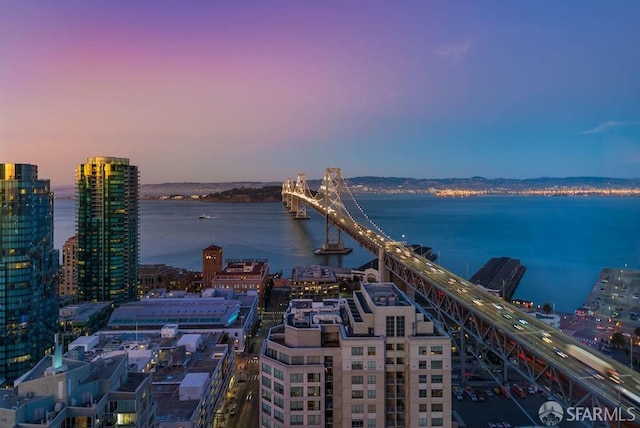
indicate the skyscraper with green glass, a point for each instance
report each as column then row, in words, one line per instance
column 28, row 270
column 107, row 229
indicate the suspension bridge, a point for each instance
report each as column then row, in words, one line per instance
column 477, row 320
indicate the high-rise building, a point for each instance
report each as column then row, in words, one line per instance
column 107, row 229
column 374, row 360
column 69, row 268
column 28, row 270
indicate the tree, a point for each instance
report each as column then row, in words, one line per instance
column 617, row 340
column 547, row 308
column 636, row 332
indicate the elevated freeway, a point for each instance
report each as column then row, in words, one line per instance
column 479, row 320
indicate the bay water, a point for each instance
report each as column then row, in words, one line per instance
column 563, row 241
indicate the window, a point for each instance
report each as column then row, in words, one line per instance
column 400, row 326
column 422, row 378
column 313, row 420
column 296, row 391
column 371, row 408
column 436, row 364
column 371, row 350
column 313, row 405
column 391, row 327
column 437, row 422
column 422, row 350
column 266, row 409
column 371, row 365
column 297, row 419
column 388, row 346
column 436, row 393
column 356, row 365
column 313, row 359
column 422, row 422
column 356, row 380
column 357, row 423
column 356, row 350
column 266, row 368
column 437, row 407
column 400, row 346
column 357, row 408
column 422, row 393
column 297, row 360
column 357, row 393
column 266, row 381
column 371, row 379
column 422, row 365
column 371, row 423
column 422, row 407
column 371, row 393
column 436, row 350
column 278, row 415
column 278, row 387
column 313, row 377
column 436, row 378
column 296, row 406
column 313, row 391
column 296, row 377
column 266, row 394
column 399, row 360
column 278, row 401
column 278, row 374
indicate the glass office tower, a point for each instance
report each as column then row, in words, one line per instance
column 28, row 270
column 107, row 229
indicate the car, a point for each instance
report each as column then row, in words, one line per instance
column 523, row 322
column 560, row 353
column 518, row 327
column 249, row 396
column 232, row 412
column 506, row 315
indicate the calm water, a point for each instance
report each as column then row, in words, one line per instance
column 564, row 242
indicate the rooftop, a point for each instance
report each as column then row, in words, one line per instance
column 197, row 312
column 386, row 295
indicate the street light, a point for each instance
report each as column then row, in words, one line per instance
column 630, row 336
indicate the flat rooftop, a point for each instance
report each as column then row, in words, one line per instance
column 200, row 312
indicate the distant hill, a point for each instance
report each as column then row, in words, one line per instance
column 222, row 191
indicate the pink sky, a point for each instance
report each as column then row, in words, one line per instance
column 214, row 91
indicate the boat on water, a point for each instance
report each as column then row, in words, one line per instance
column 204, row 217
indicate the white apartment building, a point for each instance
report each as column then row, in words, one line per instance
column 372, row 360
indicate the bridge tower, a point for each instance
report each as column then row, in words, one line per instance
column 286, row 192
column 329, row 192
column 297, row 206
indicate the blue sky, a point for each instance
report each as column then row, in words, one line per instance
column 228, row 91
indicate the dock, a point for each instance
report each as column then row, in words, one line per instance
column 500, row 275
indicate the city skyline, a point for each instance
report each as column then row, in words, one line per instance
column 216, row 92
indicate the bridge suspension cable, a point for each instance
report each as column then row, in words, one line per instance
column 355, row 201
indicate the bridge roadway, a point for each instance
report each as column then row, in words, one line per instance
column 531, row 347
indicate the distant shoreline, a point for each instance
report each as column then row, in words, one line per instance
column 440, row 193
column 454, row 187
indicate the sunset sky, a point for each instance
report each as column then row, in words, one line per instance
column 214, row 91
